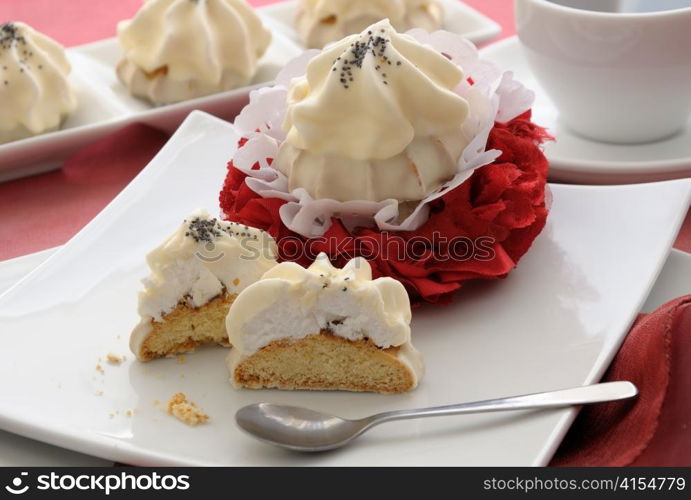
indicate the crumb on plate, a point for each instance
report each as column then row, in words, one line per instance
column 186, row 411
column 114, row 359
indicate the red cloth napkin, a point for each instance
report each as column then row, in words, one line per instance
column 655, row 428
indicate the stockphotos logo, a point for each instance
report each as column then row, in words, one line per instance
column 104, row 483
column 18, row 487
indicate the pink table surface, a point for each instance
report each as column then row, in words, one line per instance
column 74, row 22
column 47, row 210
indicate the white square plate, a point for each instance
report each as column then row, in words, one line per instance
column 459, row 18
column 105, row 105
column 555, row 322
column 16, row 451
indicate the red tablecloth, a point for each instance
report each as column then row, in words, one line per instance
column 74, row 22
column 46, row 210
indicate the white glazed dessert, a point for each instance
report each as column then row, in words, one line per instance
column 195, row 276
column 176, row 50
column 323, row 328
column 320, row 22
column 35, row 95
column 370, row 110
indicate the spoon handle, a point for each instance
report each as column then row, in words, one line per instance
column 596, row 393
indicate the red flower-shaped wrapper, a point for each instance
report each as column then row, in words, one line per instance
column 478, row 230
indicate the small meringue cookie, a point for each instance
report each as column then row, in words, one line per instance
column 176, row 50
column 320, row 22
column 374, row 118
column 35, row 94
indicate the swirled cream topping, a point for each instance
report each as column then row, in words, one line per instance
column 204, row 257
column 293, row 302
column 322, row 21
column 179, row 49
column 375, row 117
column 35, row 95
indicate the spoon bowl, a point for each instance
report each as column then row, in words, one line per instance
column 302, row 429
column 297, row 428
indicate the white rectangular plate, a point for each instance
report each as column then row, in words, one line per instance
column 105, row 105
column 16, row 451
column 554, row 322
column 459, row 18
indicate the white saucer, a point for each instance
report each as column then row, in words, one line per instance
column 576, row 159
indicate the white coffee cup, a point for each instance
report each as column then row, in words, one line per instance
column 614, row 77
